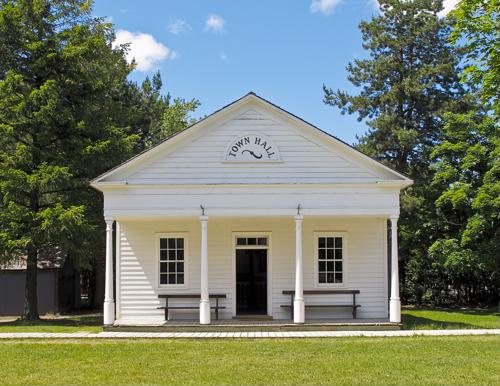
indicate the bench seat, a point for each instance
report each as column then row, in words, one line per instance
column 353, row 305
column 188, row 307
column 324, row 305
column 168, row 307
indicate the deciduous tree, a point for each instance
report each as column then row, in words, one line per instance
column 478, row 23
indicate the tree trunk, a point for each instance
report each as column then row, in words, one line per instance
column 77, row 289
column 99, row 277
column 66, row 285
column 91, row 287
column 31, row 293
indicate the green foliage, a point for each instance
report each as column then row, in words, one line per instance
column 59, row 78
column 176, row 117
column 154, row 116
column 478, row 23
column 425, row 122
column 407, row 83
column 468, row 176
column 67, row 114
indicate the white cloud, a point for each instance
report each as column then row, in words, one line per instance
column 223, row 56
column 326, row 7
column 144, row 48
column 448, row 6
column 214, row 23
column 178, row 26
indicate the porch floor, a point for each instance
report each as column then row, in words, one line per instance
column 191, row 325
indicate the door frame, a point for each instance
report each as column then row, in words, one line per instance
column 236, row 234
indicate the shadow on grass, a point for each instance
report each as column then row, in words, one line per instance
column 64, row 321
column 467, row 319
column 411, row 322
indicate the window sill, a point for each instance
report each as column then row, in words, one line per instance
column 171, row 287
column 330, row 285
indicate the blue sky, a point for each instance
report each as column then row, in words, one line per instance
column 218, row 50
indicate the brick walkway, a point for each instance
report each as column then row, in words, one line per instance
column 253, row 334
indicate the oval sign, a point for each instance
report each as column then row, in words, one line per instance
column 252, row 148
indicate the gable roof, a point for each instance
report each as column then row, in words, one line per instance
column 399, row 179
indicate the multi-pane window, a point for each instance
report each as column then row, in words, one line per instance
column 171, row 260
column 251, row 241
column 330, row 260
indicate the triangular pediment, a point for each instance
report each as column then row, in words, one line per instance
column 251, row 141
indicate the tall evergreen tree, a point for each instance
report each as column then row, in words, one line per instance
column 155, row 116
column 67, row 114
column 144, row 111
column 408, row 81
column 59, row 78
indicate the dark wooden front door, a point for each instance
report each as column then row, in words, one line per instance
column 251, row 281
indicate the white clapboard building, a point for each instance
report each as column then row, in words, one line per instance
column 252, row 212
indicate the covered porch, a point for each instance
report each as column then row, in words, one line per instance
column 295, row 250
column 241, row 325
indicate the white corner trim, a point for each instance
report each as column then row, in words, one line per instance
column 401, row 184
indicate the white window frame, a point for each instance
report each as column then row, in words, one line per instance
column 253, row 235
column 159, row 236
column 317, row 235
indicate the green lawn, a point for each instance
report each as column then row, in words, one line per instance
column 438, row 319
column 469, row 360
column 73, row 323
column 412, row 319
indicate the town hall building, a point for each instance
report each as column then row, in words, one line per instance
column 251, row 213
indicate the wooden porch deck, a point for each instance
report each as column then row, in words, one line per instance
column 227, row 325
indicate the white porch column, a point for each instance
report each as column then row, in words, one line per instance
column 204, row 301
column 395, row 302
column 109, row 302
column 298, row 302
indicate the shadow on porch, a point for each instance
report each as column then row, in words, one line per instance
column 235, row 325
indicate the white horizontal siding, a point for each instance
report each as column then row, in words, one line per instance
column 137, row 291
column 200, row 160
column 172, row 200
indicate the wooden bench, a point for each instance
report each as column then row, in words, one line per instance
column 354, row 306
column 190, row 296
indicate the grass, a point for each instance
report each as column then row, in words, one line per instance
column 429, row 319
column 464, row 360
column 460, row 360
column 440, row 319
column 56, row 323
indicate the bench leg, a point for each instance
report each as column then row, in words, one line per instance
column 354, row 312
column 217, row 309
column 166, row 310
